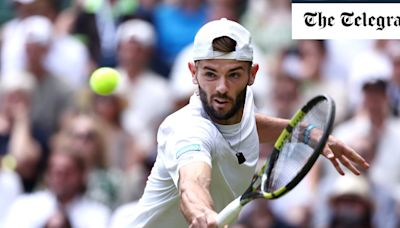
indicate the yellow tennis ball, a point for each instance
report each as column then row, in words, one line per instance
column 104, row 80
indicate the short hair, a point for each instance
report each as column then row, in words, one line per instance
column 224, row 44
column 376, row 85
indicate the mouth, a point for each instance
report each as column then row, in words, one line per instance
column 221, row 103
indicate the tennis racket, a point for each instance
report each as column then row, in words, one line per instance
column 294, row 153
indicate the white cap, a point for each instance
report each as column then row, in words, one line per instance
column 350, row 185
column 38, row 29
column 202, row 47
column 139, row 30
column 370, row 66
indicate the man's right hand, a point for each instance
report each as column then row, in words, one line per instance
column 206, row 219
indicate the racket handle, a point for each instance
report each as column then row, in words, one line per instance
column 229, row 213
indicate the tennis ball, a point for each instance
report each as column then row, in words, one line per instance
column 104, row 80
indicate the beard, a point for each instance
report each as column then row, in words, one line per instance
column 214, row 114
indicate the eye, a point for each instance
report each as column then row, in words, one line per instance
column 210, row 74
column 234, row 75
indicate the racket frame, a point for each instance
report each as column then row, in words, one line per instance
column 231, row 211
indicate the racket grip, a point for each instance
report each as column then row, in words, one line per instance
column 229, row 213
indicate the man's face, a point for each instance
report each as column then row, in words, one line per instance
column 35, row 52
column 133, row 52
column 222, row 87
column 65, row 178
column 376, row 102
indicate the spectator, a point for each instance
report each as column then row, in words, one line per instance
column 350, row 203
column 375, row 121
column 146, row 92
column 52, row 95
column 176, row 24
column 13, row 37
column 96, row 23
column 124, row 152
column 24, row 144
column 108, row 110
column 375, row 135
column 379, row 65
column 285, row 98
column 65, row 180
column 270, row 24
column 13, row 56
column 394, row 83
column 67, row 57
column 312, row 55
column 63, row 51
column 68, row 60
column 384, row 201
column 85, row 136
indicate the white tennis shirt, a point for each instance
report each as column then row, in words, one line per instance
column 188, row 136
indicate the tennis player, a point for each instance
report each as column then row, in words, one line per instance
column 208, row 150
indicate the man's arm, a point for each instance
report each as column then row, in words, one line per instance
column 269, row 129
column 196, row 203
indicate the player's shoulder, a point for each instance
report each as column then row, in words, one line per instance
column 187, row 119
column 187, row 116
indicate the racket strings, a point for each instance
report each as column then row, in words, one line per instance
column 295, row 153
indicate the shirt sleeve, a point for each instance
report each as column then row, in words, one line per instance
column 186, row 145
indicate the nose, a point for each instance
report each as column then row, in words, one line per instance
column 222, row 86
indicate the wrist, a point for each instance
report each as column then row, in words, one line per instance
column 307, row 133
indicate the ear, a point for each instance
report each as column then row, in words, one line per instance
column 192, row 69
column 253, row 72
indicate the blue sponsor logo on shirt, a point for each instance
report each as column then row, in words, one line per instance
column 185, row 149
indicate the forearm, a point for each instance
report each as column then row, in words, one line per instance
column 21, row 139
column 269, row 128
column 195, row 200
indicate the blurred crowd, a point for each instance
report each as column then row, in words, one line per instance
column 71, row 158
